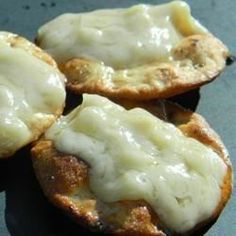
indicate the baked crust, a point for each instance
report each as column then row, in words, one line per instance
column 197, row 60
column 37, row 127
column 65, row 181
column 16, row 41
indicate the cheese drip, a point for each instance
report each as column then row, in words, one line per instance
column 134, row 155
column 120, row 38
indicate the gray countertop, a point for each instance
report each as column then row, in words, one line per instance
column 23, row 208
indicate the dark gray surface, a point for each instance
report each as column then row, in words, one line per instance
column 23, row 208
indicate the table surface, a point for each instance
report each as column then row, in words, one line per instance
column 23, row 208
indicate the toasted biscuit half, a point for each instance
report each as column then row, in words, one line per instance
column 32, row 92
column 140, row 53
column 197, row 60
column 65, row 180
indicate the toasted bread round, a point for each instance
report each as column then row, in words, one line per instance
column 197, row 60
column 65, row 181
column 28, row 77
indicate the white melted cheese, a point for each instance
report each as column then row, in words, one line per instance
column 120, row 38
column 134, row 155
column 31, row 91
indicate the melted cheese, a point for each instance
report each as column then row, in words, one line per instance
column 120, row 38
column 134, row 155
column 31, row 91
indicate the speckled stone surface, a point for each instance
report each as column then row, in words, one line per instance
column 24, row 211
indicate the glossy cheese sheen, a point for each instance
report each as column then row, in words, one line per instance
column 120, row 38
column 31, row 91
column 134, row 155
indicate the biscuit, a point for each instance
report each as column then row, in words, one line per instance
column 65, row 180
column 140, row 53
column 197, row 60
column 32, row 92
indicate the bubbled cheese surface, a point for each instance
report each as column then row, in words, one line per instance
column 120, row 38
column 134, row 155
column 31, row 91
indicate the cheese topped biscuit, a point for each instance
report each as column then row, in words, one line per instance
column 32, row 93
column 142, row 52
column 133, row 155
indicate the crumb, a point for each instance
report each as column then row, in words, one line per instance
column 53, row 4
column 26, row 7
column 43, row 4
column 230, row 60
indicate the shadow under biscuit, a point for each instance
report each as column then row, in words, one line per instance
column 72, row 101
column 3, row 174
column 27, row 211
column 188, row 100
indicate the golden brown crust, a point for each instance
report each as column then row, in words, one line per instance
column 64, row 180
column 197, row 60
column 16, row 41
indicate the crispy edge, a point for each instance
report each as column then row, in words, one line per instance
column 198, row 59
column 16, row 41
column 61, row 175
